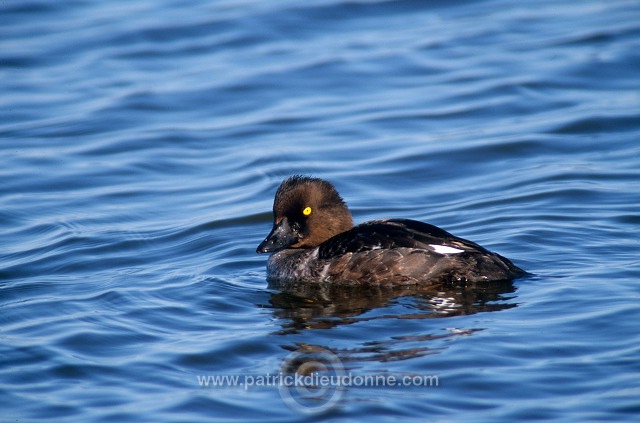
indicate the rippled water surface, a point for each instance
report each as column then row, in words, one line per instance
column 141, row 145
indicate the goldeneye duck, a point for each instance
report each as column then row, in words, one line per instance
column 313, row 239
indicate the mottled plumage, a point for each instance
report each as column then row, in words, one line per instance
column 313, row 239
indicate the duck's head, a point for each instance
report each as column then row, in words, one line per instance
column 306, row 212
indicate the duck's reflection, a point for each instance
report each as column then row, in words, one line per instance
column 321, row 306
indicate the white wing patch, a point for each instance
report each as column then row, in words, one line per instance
column 443, row 249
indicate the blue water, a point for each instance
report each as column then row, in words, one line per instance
column 141, row 146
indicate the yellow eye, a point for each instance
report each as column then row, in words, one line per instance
column 306, row 211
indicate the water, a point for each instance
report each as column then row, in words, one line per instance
column 142, row 143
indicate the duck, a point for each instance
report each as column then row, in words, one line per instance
column 314, row 239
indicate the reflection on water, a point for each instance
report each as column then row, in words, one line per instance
column 313, row 306
column 322, row 306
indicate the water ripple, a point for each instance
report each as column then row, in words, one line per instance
column 143, row 143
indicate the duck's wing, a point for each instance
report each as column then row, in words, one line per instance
column 396, row 233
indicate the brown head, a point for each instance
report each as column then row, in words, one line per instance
column 306, row 212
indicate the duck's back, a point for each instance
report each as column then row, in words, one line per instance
column 402, row 251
